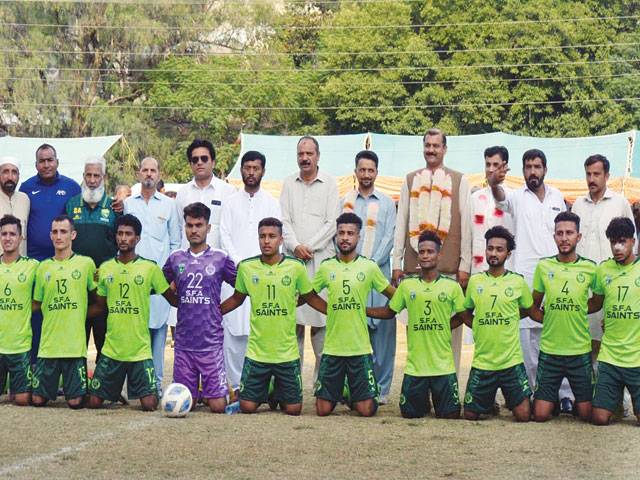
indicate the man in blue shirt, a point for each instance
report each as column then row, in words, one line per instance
column 48, row 192
column 161, row 235
column 378, row 214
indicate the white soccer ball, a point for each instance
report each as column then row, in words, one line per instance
column 176, row 401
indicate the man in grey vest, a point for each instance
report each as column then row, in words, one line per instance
column 435, row 198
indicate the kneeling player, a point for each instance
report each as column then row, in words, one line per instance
column 17, row 275
column 64, row 285
column 618, row 287
column 124, row 288
column 497, row 298
column 272, row 281
column 431, row 300
column 349, row 278
column 565, row 282
column 198, row 273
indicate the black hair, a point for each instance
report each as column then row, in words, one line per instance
column 435, row 131
column 65, row 218
column 197, row 210
column 568, row 217
column 620, row 227
column 591, row 159
column 46, row 146
column 497, row 150
column 349, row 218
column 369, row 155
column 309, row 137
column 199, row 143
column 270, row 222
column 160, row 185
column 129, row 220
column 500, row 232
column 11, row 220
column 534, row 153
column 430, row 236
column 253, row 155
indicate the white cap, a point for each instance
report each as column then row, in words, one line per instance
column 96, row 160
column 11, row 160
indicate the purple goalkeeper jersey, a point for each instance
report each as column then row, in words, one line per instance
column 198, row 279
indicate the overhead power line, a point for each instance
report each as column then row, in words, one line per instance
column 331, row 70
column 322, row 27
column 558, row 78
column 340, row 107
column 319, row 54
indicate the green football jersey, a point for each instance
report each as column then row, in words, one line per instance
column 16, row 290
column 273, row 291
column 62, row 287
column 566, row 288
column 620, row 285
column 128, row 288
column 348, row 285
column 496, row 302
column 430, row 306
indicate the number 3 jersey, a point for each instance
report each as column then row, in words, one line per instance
column 128, row 288
column 62, row 287
column 566, row 288
column 198, row 279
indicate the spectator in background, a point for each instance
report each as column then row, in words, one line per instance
column 94, row 221
column 122, row 193
column 239, row 237
column 310, row 205
column 13, row 202
column 48, row 192
column 160, row 236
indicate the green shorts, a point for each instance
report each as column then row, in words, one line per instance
column 610, row 385
column 415, row 395
column 17, row 366
column 358, row 370
column 483, row 385
column 46, row 377
column 577, row 369
column 109, row 376
column 256, row 377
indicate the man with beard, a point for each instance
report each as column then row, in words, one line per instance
column 94, row 220
column 160, row 236
column 239, row 238
column 12, row 202
column 48, row 192
column 349, row 279
column 533, row 208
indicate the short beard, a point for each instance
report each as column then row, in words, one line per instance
column 9, row 187
column 94, row 195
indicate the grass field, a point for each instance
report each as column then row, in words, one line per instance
column 123, row 442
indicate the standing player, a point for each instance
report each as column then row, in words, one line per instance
column 17, row 275
column 198, row 273
column 272, row 281
column 497, row 298
column 564, row 282
column 125, row 287
column 348, row 278
column 431, row 300
column 618, row 287
column 64, row 287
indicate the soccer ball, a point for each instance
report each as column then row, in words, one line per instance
column 176, row 401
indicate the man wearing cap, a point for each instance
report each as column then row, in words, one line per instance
column 94, row 221
column 13, row 202
column 48, row 192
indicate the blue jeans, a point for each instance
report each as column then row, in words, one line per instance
column 158, row 341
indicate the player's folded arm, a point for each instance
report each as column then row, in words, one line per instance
column 595, row 303
column 383, row 313
column 97, row 306
column 233, row 302
column 314, row 300
column 535, row 312
column 170, row 296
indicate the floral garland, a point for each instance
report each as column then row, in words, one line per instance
column 369, row 224
column 429, row 205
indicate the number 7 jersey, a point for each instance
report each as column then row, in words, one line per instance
column 198, row 278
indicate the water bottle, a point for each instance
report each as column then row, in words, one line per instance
column 232, row 408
